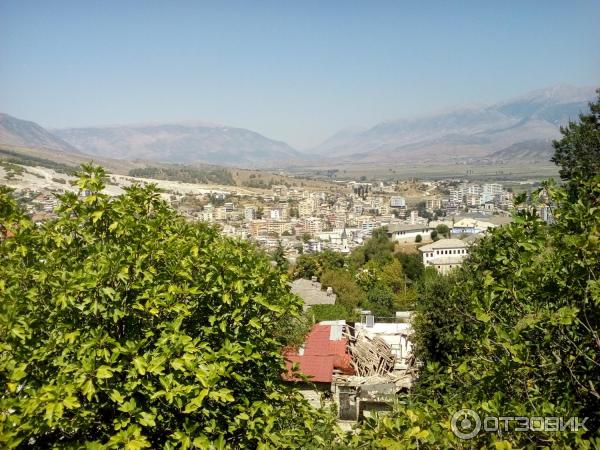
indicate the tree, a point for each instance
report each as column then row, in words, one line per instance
column 412, row 264
column 307, row 267
column 280, row 259
column 378, row 247
column 578, row 151
column 124, row 326
column 434, row 236
column 418, row 238
column 380, row 301
column 349, row 294
column 443, row 230
column 328, row 312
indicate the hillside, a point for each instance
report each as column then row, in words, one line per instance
column 181, row 143
column 476, row 132
column 534, row 150
column 17, row 132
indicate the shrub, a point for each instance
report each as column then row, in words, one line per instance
column 123, row 326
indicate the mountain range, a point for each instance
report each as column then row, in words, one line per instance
column 180, row 143
column 521, row 128
column 23, row 133
column 528, row 123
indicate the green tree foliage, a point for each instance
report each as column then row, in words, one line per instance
column 309, row 265
column 123, row 326
column 349, row 294
column 438, row 319
column 380, row 301
column 578, row 151
column 187, row 174
column 412, row 264
column 378, row 247
column 319, row 313
column 434, row 236
column 443, row 230
column 279, row 258
column 418, row 238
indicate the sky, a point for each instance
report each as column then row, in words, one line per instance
column 293, row 71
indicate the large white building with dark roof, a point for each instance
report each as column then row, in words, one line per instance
column 445, row 254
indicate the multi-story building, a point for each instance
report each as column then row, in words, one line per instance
column 249, row 213
column 397, row 202
column 432, row 204
column 313, row 225
column 444, row 255
column 492, row 189
column 306, row 208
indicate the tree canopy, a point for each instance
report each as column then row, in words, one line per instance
column 124, row 326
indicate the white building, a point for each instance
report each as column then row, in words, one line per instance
column 397, row 202
column 414, row 216
column 408, row 232
column 249, row 213
column 444, row 255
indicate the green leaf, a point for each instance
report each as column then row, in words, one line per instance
column 104, row 372
column 196, row 402
column 71, row 402
column 140, row 365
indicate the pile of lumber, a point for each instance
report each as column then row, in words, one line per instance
column 370, row 356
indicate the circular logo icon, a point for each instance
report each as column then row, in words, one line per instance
column 465, row 424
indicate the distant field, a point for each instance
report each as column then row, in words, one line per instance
column 518, row 171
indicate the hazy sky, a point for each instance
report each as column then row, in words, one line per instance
column 295, row 71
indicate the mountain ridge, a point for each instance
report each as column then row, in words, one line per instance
column 180, row 142
column 25, row 133
column 472, row 131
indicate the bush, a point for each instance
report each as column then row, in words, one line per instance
column 418, row 238
column 349, row 294
column 123, row 326
column 328, row 312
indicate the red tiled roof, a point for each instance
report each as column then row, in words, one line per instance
column 320, row 356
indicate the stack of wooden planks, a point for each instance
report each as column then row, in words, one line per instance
column 370, row 356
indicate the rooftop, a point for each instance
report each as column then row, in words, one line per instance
column 443, row 244
column 324, row 350
column 407, row 227
column 310, row 292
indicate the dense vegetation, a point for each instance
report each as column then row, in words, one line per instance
column 123, row 326
column 372, row 277
column 186, row 174
column 28, row 160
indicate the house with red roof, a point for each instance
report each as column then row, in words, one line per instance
column 323, row 354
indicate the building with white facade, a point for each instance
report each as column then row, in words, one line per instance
column 408, row 232
column 444, row 255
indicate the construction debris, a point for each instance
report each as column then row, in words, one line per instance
column 370, row 356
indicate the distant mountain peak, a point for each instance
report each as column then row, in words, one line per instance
column 181, row 142
column 24, row 133
column 469, row 131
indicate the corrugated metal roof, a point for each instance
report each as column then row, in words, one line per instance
column 320, row 356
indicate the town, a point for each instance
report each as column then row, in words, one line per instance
column 298, row 220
